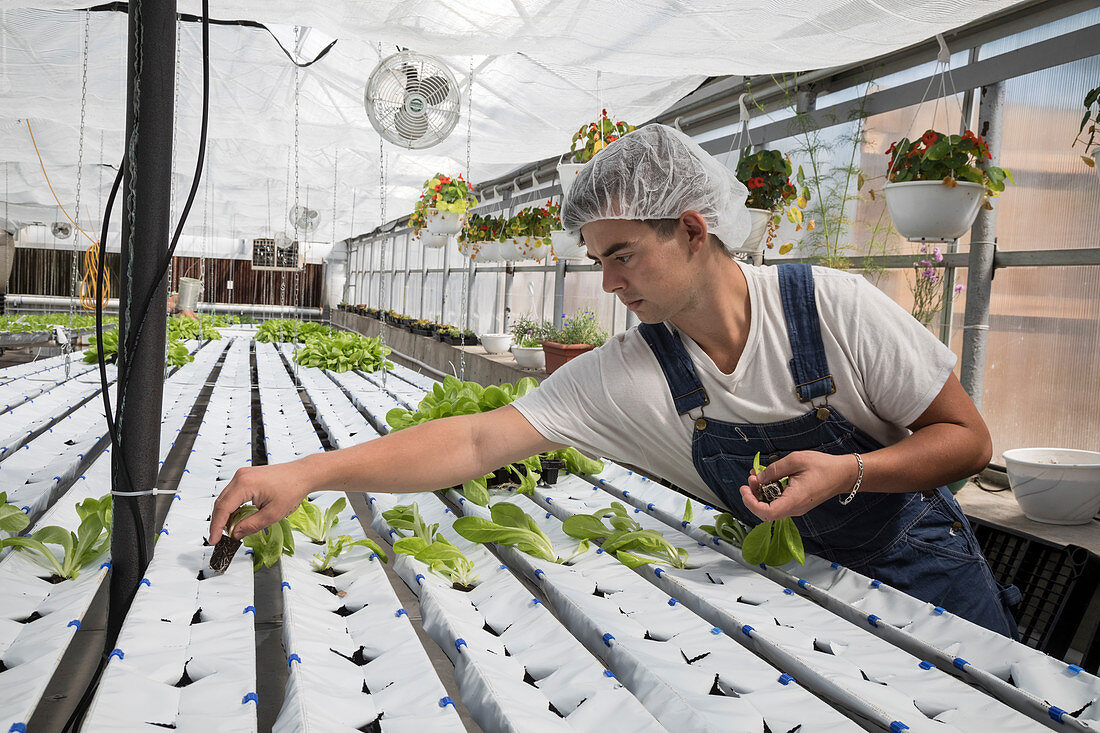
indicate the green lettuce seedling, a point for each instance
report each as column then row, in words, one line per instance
column 727, row 528
column 406, row 518
column 337, row 546
column 625, row 538
column 513, row 527
column 268, row 544
column 315, row 523
column 441, row 557
column 575, row 461
column 773, row 543
column 80, row 548
column 12, row 518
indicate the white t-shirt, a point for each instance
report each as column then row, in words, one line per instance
column 614, row 401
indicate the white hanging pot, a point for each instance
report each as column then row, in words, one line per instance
column 488, row 252
column 510, row 250
column 433, row 241
column 758, row 227
column 529, row 357
column 567, row 172
column 540, row 251
column 567, row 246
column 444, row 222
column 1095, row 157
column 930, row 211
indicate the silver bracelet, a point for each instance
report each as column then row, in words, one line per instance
column 859, row 480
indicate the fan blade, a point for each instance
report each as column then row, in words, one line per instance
column 435, row 89
column 410, row 126
column 412, row 81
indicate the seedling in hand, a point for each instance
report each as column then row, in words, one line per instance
column 776, row 542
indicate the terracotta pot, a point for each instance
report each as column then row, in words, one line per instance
column 557, row 354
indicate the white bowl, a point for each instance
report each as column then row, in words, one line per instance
column 529, row 357
column 1055, row 485
column 496, row 343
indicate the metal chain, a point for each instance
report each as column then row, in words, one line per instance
column 172, row 188
column 382, row 244
column 73, row 295
column 464, row 314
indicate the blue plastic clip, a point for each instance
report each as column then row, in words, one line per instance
column 835, row 565
column 539, row 572
column 249, row 609
column 250, row 697
column 637, row 511
column 658, row 572
column 603, row 481
column 419, row 578
column 285, row 585
column 503, row 567
column 785, row 679
column 393, row 532
column 716, row 542
column 607, row 640
column 445, row 701
column 461, row 500
column 1074, row 669
column 354, row 516
column 938, row 610
column 629, row 473
column 372, row 557
column 684, row 523
column 926, row 665
column 609, row 673
column 1056, row 713
column 117, row 653
column 802, row 583
column 788, row 591
column 74, row 622
column 248, row 552
column 716, row 631
column 18, row 728
column 164, row 530
column 549, row 500
column 536, row 602
column 763, row 566
column 459, row 643
column 446, row 510
column 177, row 497
column 702, row 544
column 292, row 659
column 626, row 493
column 649, row 506
column 106, row 565
column 599, row 550
column 371, row 500
column 549, row 514
column 873, row 620
column 25, row 509
column 57, row 478
column 401, row 612
column 897, row 727
column 673, row 601
column 145, row 581
column 960, row 662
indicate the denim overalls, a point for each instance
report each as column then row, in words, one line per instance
column 919, row 543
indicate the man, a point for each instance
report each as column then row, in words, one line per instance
column 836, row 386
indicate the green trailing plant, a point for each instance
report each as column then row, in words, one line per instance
column 513, row 527
column 442, row 557
column 314, row 522
column 595, row 136
column 625, row 538
column 482, row 228
column 336, row 546
column 12, row 518
column 773, row 543
column 343, row 351
column 727, row 528
column 79, row 548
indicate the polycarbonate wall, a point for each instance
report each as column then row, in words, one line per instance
column 1044, row 339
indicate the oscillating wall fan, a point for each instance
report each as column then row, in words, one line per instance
column 304, row 218
column 61, row 229
column 412, row 100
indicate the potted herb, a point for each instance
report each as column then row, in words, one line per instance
column 767, row 175
column 528, row 334
column 938, row 183
column 1092, row 120
column 580, row 333
column 446, row 200
column 587, row 141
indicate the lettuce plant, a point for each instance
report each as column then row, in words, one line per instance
column 575, row 461
column 109, row 347
column 337, row 546
column 441, row 557
column 406, row 518
column 12, row 518
column 625, row 538
column 343, row 352
column 776, row 542
column 727, row 528
column 315, row 523
column 78, row 549
column 267, row 545
column 513, row 527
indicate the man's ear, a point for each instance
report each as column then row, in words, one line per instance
column 696, row 228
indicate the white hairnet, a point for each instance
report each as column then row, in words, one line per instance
column 658, row 172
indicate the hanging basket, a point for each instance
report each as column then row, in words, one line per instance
column 567, row 172
column 758, row 228
column 433, row 241
column 444, row 222
column 929, row 211
column 511, row 249
column 487, row 252
column 567, row 246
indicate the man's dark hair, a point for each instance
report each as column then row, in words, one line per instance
column 665, row 228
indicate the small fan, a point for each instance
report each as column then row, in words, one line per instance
column 304, row 218
column 61, row 229
column 282, row 241
column 412, row 100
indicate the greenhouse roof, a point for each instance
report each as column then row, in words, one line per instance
column 539, row 69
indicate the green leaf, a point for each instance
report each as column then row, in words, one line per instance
column 477, row 491
column 409, row 545
column 631, row 560
column 29, row 543
column 688, row 513
column 793, row 540
column 755, row 546
column 756, row 464
column 12, row 518
column 585, row 527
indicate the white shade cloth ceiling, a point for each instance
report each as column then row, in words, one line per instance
column 535, row 83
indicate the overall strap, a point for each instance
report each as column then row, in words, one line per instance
column 809, row 367
column 687, row 390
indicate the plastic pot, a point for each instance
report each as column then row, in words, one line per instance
column 529, row 357
column 567, row 246
column 758, row 223
column 444, row 222
column 549, row 468
column 1055, row 485
column 434, row 241
column 929, row 211
column 567, row 172
column 557, row 353
column 496, row 343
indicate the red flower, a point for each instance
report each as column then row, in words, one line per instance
column 890, row 150
column 604, row 113
column 611, row 138
column 929, row 137
column 438, row 187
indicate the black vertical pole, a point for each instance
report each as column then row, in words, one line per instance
column 151, row 54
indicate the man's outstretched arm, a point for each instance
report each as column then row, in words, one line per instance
column 426, row 457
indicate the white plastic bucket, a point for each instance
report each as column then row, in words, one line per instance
column 758, row 223
column 529, row 357
column 930, row 211
column 496, row 343
column 190, row 292
column 433, row 241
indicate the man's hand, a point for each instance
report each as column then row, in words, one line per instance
column 814, row 478
column 276, row 490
